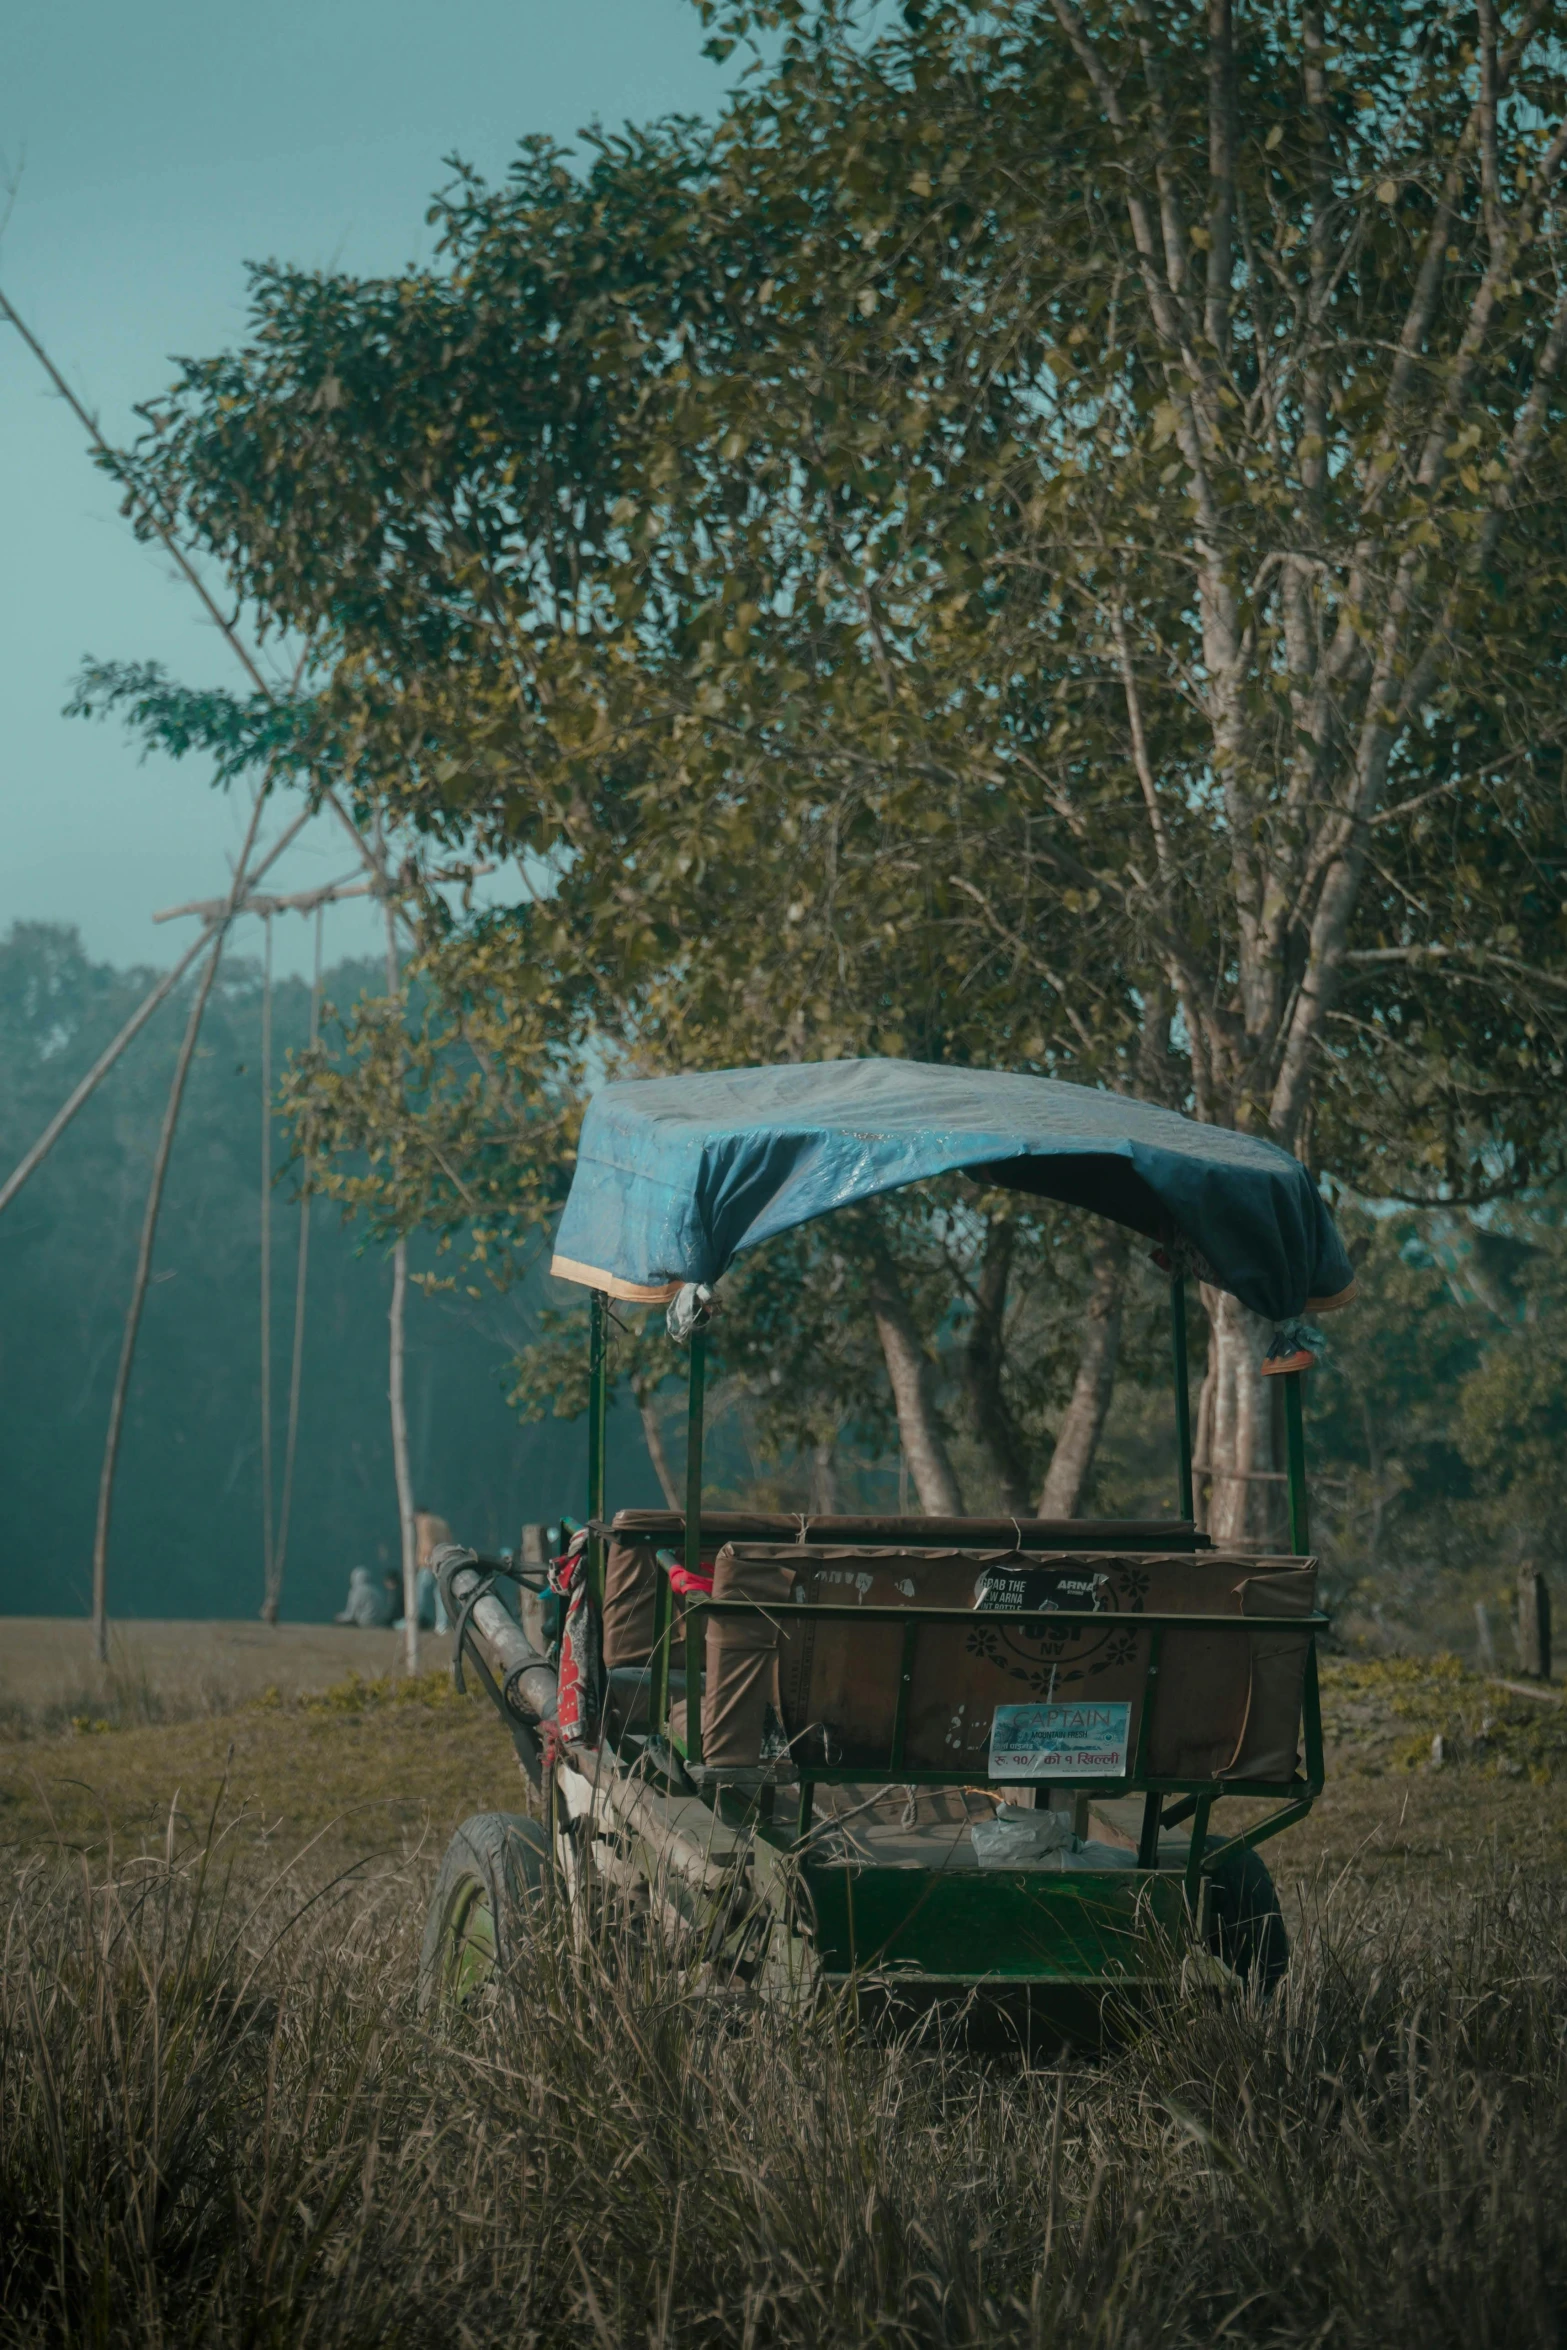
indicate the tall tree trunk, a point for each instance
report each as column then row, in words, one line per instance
column 1202, row 1447
column 653, row 1438
column 1236, row 1417
column 994, row 1422
column 910, row 1374
column 823, row 1499
column 1077, row 1440
column 396, row 1396
column 400, row 1471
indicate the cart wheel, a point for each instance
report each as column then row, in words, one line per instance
column 1246, row 1927
column 491, row 1875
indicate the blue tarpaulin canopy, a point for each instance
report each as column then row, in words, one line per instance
column 676, row 1175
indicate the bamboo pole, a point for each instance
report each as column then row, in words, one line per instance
column 374, row 859
column 163, row 528
column 266, row 1258
column 397, row 1398
column 149, row 1233
column 138, row 1020
column 299, row 901
column 274, row 1596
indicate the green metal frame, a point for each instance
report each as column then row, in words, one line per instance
column 696, row 1402
column 914, row 1620
column 1183, row 1395
column 1295, row 1458
column 598, row 1408
column 1053, row 1930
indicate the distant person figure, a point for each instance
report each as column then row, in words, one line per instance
column 431, row 1533
column 368, row 1605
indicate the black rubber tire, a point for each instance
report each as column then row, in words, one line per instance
column 1245, row 1923
column 489, row 1880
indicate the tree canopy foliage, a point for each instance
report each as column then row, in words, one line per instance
column 1038, row 539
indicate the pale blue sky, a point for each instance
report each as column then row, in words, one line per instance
column 155, row 149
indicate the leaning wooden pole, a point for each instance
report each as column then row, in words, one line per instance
column 133, row 1027
column 396, row 1395
column 149, row 1234
column 162, row 525
column 99, row 1070
column 149, row 1229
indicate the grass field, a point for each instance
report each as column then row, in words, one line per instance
column 222, row 2120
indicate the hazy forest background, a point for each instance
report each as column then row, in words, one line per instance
column 859, row 576
column 1438, row 1421
column 188, row 1503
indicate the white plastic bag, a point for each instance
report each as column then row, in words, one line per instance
column 1019, row 1839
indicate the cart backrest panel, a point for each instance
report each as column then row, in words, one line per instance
column 636, row 1536
column 1226, row 1703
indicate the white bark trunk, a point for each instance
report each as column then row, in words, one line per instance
column 405, row 1491
column 398, row 1401
column 910, row 1374
column 1235, row 1416
column 1082, row 1425
column 653, row 1438
column 824, row 1501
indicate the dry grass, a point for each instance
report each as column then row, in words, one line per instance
column 372, row 1765
column 50, row 1681
column 221, row 2120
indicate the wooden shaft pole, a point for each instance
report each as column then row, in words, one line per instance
column 297, row 1360
column 266, row 1261
column 149, row 1233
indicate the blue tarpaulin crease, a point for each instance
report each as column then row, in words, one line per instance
column 676, row 1175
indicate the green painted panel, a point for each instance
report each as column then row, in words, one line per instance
column 997, row 1925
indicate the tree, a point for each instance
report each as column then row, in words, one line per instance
column 1237, row 371
column 1039, row 541
column 342, row 391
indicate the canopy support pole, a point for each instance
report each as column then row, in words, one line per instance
column 1183, row 1393
column 696, row 1396
column 598, row 1398
column 695, row 1621
column 1295, row 1456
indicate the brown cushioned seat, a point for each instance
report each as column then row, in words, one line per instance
column 636, row 1537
